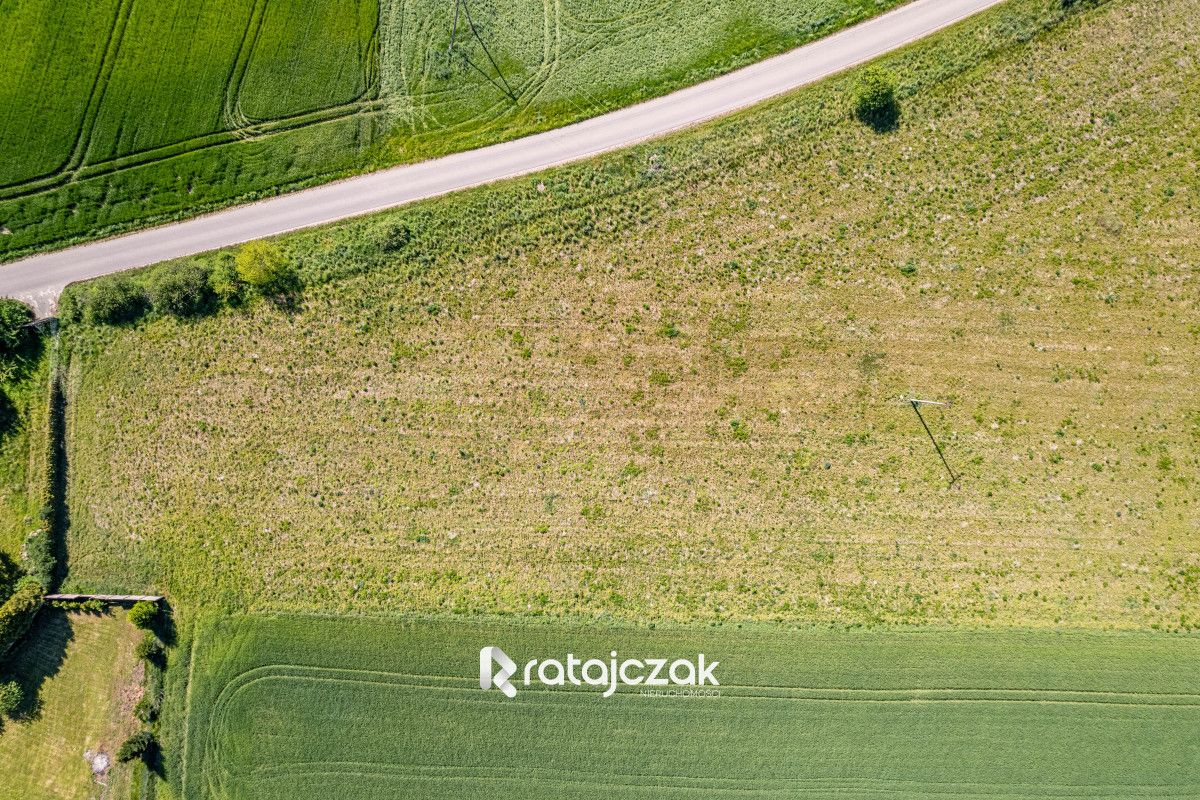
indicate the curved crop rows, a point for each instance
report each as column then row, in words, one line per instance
column 394, row 709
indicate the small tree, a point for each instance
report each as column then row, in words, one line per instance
column 139, row 745
column 182, row 291
column 149, row 648
column 14, row 316
column 225, row 282
column 264, row 266
column 146, row 709
column 11, row 695
column 143, row 614
column 113, row 301
column 874, row 97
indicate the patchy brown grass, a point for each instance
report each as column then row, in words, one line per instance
column 683, row 400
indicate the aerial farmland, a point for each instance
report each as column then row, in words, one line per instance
column 842, row 444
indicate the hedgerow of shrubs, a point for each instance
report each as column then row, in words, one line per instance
column 182, row 291
column 14, row 316
column 17, row 613
column 191, row 289
column 40, row 561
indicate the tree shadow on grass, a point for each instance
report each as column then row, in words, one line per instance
column 164, row 625
column 882, row 120
column 37, row 657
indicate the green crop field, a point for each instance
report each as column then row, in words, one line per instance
column 117, row 113
column 310, row 708
column 668, row 383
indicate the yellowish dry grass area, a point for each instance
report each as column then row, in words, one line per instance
column 686, row 403
column 86, row 680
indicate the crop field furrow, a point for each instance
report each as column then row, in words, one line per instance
column 91, row 105
column 231, row 113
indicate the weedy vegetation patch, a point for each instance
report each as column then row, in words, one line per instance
column 670, row 383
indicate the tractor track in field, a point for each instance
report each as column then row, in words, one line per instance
column 83, row 139
column 217, row 774
column 237, row 126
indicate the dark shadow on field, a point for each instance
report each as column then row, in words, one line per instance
column 286, row 295
column 153, row 758
column 38, row 656
column 164, row 625
column 10, row 572
column 883, row 120
column 56, row 513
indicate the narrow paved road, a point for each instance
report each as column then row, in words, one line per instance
column 40, row 279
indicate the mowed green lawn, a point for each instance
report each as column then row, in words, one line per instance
column 121, row 112
column 81, row 680
column 316, row 708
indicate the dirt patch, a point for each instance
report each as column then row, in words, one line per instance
column 132, row 690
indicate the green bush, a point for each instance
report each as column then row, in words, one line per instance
column 110, row 301
column 264, row 266
column 182, row 291
column 39, row 558
column 90, row 606
column 11, row 695
column 143, row 614
column 874, row 96
column 225, row 283
column 14, row 315
column 17, row 613
column 149, row 648
column 139, row 745
column 147, row 709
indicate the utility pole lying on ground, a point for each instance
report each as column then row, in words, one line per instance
column 916, row 407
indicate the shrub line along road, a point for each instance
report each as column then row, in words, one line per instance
column 40, row 279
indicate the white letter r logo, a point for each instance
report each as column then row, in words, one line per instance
column 507, row 667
